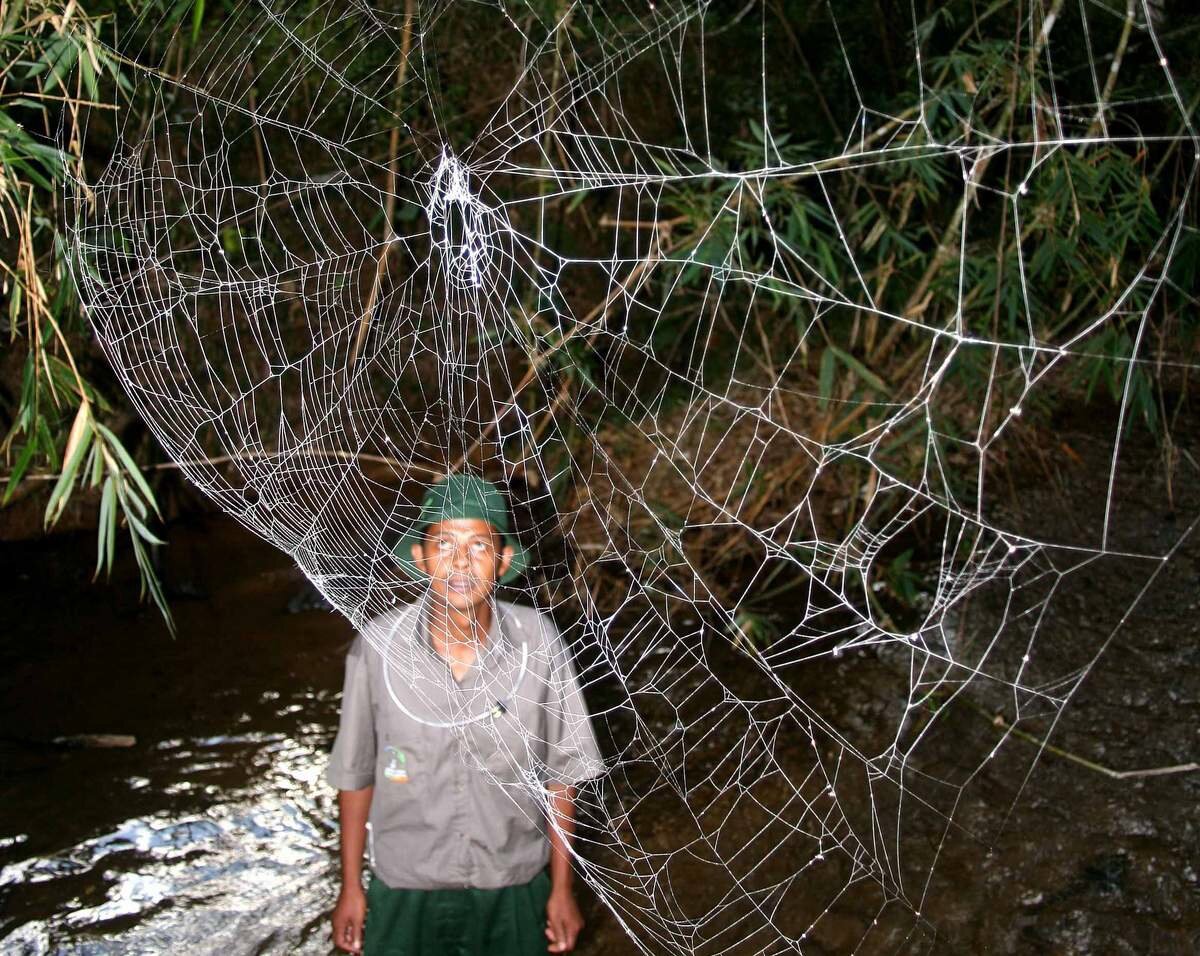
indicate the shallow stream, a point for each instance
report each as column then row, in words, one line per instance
column 214, row 833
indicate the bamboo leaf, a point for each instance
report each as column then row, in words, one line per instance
column 106, row 529
column 46, row 442
column 197, row 20
column 60, row 58
column 89, row 78
column 142, row 531
column 130, row 466
column 95, row 465
column 859, row 369
column 131, row 500
column 150, row 581
column 825, row 378
column 14, row 305
column 18, row 472
column 77, row 445
column 79, row 431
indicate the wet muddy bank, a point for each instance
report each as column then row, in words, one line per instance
column 1065, row 836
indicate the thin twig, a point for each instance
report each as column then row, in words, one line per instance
column 659, row 224
column 1111, row 81
column 798, row 49
column 999, row 721
column 598, row 314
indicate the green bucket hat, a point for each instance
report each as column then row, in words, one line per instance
column 455, row 497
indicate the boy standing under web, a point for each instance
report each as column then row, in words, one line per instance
column 462, row 735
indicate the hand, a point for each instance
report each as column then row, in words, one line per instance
column 563, row 921
column 348, row 918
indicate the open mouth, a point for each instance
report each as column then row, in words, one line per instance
column 460, row 584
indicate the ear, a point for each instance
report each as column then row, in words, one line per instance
column 418, row 553
column 506, row 556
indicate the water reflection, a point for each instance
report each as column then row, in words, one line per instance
column 241, row 863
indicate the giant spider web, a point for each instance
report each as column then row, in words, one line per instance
column 623, row 282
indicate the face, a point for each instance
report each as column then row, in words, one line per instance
column 463, row 559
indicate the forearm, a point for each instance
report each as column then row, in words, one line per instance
column 354, row 806
column 562, row 832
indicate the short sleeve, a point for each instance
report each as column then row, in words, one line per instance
column 352, row 762
column 572, row 754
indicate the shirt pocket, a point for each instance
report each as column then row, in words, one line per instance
column 402, row 769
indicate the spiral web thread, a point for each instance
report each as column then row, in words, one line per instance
column 319, row 307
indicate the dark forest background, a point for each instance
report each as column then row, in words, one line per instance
column 74, row 455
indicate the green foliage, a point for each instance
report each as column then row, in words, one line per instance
column 751, row 631
column 1034, row 259
column 1051, row 255
column 52, row 67
column 1050, row 243
column 903, row 582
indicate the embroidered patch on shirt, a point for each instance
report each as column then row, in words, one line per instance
column 397, row 766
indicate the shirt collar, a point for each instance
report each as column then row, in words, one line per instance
column 499, row 640
column 426, row 679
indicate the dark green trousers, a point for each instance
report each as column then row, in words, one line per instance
column 510, row 921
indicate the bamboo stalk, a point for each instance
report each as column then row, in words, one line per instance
column 947, row 241
column 1111, row 80
column 389, row 202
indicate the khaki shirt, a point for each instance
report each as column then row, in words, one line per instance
column 459, row 769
